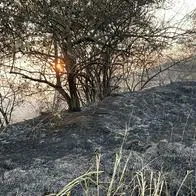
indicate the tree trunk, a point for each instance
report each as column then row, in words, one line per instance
column 74, row 105
column 74, row 102
column 106, row 82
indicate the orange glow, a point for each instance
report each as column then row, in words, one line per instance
column 59, row 66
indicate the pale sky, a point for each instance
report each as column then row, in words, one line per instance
column 181, row 7
column 177, row 9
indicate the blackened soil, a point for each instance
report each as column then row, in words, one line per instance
column 52, row 147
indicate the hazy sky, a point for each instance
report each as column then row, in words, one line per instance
column 177, row 9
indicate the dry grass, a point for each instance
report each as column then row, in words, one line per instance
column 123, row 180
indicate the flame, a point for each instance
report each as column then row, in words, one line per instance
column 59, row 66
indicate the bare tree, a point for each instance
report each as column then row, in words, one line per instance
column 188, row 42
column 79, row 47
column 11, row 96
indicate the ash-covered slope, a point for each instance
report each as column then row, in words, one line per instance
column 43, row 154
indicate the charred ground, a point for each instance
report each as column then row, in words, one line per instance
column 43, row 154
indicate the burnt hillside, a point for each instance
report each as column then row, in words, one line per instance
column 43, row 154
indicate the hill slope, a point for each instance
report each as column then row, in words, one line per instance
column 43, row 154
